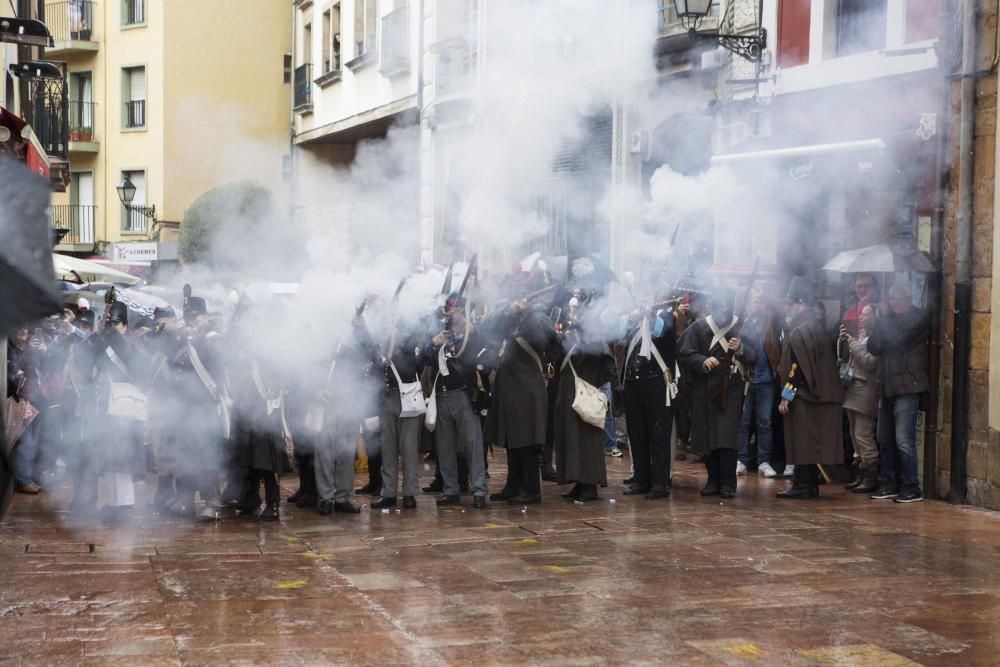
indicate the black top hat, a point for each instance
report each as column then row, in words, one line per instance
column 159, row 313
column 86, row 317
column 118, row 312
column 801, row 290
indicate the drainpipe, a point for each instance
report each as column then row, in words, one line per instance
column 963, row 262
column 292, row 170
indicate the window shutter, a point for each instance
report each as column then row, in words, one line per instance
column 137, row 83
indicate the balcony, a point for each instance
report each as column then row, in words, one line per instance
column 395, row 56
column 134, row 114
column 81, row 127
column 71, row 23
column 79, row 220
column 134, row 219
column 45, row 111
column 302, row 81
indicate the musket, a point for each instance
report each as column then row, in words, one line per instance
column 469, row 273
column 727, row 362
column 446, row 287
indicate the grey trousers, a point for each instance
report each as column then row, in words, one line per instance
column 400, row 440
column 334, row 461
column 458, row 425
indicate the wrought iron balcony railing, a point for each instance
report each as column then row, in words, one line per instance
column 134, row 219
column 78, row 219
column 81, row 120
column 71, row 20
column 134, row 114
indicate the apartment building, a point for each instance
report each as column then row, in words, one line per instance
column 356, row 67
column 177, row 96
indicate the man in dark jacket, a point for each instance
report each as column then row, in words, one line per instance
column 517, row 416
column 812, row 395
column 650, row 378
column 714, row 427
column 899, row 340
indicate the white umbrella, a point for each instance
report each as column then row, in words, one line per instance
column 73, row 269
column 880, row 259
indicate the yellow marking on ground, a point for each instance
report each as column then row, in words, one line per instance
column 746, row 651
column 528, row 540
column 291, row 538
column 313, row 554
column 558, row 569
column 290, row 583
column 490, row 524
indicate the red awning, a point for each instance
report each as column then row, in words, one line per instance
column 28, row 149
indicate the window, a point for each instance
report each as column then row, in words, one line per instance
column 287, row 65
column 81, row 106
column 861, row 26
column 133, row 12
column 331, row 40
column 134, row 217
column 307, row 44
column 134, row 96
column 365, row 26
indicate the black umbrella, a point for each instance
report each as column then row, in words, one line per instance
column 27, row 280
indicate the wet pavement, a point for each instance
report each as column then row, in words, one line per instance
column 841, row 580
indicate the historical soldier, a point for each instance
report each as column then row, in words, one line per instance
column 579, row 446
column 200, row 423
column 812, row 394
column 342, row 414
column 649, row 376
column 259, row 429
column 458, row 354
column 718, row 389
column 517, row 414
column 400, row 435
column 163, row 345
column 117, row 370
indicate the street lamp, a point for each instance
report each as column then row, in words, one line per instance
column 126, row 193
column 692, row 12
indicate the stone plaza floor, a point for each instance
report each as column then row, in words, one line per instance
column 841, row 580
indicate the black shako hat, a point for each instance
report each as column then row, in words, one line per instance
column 86, row 317
column 801, row 290
column 160, row 313
column 118, row 313
column 195, row 307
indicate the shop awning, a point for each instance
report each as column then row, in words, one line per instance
column 859, row 146
column 73, row 269
column 30, row 150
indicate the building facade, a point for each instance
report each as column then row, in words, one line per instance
column 179, row 96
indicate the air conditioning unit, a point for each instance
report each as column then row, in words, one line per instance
column 713, row 59
column 638, row 143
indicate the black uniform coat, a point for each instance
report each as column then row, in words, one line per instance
column 813, row 423
column 711, row 428
column 196, row 424
column 579, row 446
column 519, row 405
column 258, row 437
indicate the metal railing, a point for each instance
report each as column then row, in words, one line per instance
column 71, row 20
column 395, row 56
column 45, row 110
column 133, row 12
column 134, row 113
column 302, row 81
column 78, row 219
column 81, row 120
column 134, row 219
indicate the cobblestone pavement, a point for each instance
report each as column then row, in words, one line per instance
column 841, row 580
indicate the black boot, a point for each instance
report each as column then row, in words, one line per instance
column 869, row 480
column 587, row 492
column 270, row 512
column 800, row 490
column 573, row 493
column 164, row 491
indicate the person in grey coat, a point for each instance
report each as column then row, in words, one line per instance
column 861, row 401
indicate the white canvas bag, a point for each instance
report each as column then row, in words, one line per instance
column 589, row 402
